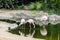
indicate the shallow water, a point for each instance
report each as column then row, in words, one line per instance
column 53, row 31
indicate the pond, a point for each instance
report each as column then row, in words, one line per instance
column 53, row 31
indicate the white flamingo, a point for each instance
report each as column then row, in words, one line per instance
column 31, row 21
column 22, row 22
column 44, row 22
column 44, row 18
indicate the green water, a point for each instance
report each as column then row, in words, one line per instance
column 53, row 31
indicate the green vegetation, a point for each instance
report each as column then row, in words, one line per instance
column 35, row 6
column 38, row 5
column 19, row 7
column 50, row 6
column 31, row 6
column 46, row 4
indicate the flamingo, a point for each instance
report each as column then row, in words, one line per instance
column 31, row 21
column 44, row 20
column 22, row 22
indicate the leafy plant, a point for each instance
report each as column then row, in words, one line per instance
column 31, row 6
column 38, row 5
column 20, row 7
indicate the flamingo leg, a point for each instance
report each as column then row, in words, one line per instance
column 30, row 28
column 24, row 27
column 34, row 25
column 33, row 33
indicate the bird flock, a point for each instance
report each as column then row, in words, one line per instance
column 32, row 20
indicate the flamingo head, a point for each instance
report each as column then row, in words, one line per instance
column 22, row 21
column 30, row 21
